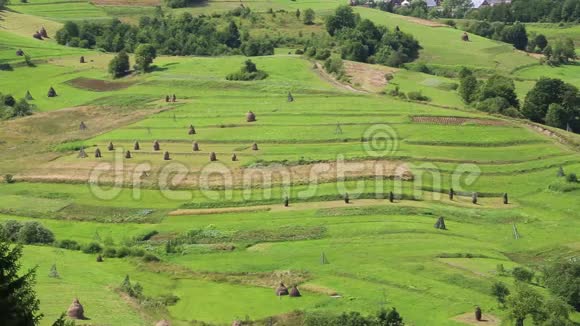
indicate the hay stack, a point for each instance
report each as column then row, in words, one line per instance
column 82, row 153
column 98, row 153
column 19, row 52
column 346, row 198
column 234, row 157
column 156, row 146
column 478, row 313
column 561, row 172
column 111, row 147
column 286, row 201
column 37, row 35
column 163, row 323
column 195, row 146
column 505, row 199
column 52, row 92
column 76, row 310
column 128, row 154
column 82, row 60
column 254, row 147
column 465, row 37
column 173, row 98
column 294, row 292
column 212, row 157
column 43, row 32
column 290, row 97
column 191, row 130
column 474, row 198
column 391, row 196
column 99, row 259
column 83, row 126
column 136, row 146
column 166, row 98
column 166, row 156
column 250, row 117
column 28, row 96
column 282, row 290
column 440, row 224
column 451, row 193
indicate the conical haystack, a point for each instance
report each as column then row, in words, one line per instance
column 478, row 313
column 234, row 157
column 99, row 259
column 98, row 153
column 82, row 60
column 82, row 153
column 166, row 156
column 451, row 193
column 474, row 198
column 440, row 224
column 156, row 146
column 286, row 202
column 212, row 157
column 111, row 147
column 465, row 37
column 391, row 197
column 290, row 97
column 76, row 310
column 19, row 52
column 43, row 32
column 282, row 290
column 51, row 92
column 254, row 147
column 128, row 154
column 191, row 130
column 173, row 98
column 83, row 126
column 167, row 99
column 346, row 199
column 136, row 146
column 250, row 117
column 294, row 292
column 195, row 146
column 28, row 96
column 505, row 199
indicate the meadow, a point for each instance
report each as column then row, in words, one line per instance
column 236, row 241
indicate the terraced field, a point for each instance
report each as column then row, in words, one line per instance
column 236, row 239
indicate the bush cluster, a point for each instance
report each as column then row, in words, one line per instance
column 26, row 232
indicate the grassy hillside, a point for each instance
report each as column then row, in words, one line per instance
column 234, row 239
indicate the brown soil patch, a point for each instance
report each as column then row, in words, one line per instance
column 138, row 3
column 98, row 85
column 469, row 319
column 369, row 77
column 28, row 141
column 329, row 78
column 423, row 22
column 457, row 121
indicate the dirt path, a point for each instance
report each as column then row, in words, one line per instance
column 329, row 78
column 469, row 319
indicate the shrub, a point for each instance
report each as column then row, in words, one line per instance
column 299, row 51
column 150, row 258
column 68, row 244
column 334, row 65
column 92, row 248
column 418, row 96
column 137, row 252
column 571, row 177
column 110, row 252
column 248, row 72
column 123, row 252
column 34, row 232
column 10, row 230
column 522, row 274
column 146, row 235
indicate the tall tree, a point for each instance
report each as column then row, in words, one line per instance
column 119, row 65
column 18, row 303
column 524, row 303
column 343, row 17
column 144, row 55
column 468, row 88
column 232, row 36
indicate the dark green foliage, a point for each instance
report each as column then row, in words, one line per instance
column 150, row 258
column 334, row 65
column 524, row 303
column 500, row 86
column 133, row 290
column 248, row 72
column 146, row 235
column 110, row 252
column 418, row 96
column 18, row 303
column 254, row 47
column 309, row 16
column 26, row 233
column 343, row 17
column 144, row 55
column 563, row 280
column 571, row 177
column 547, row 92
column 522, row 274
column 516, row 35
column 500, row 291
column 231, row 37
column 92, row 248
column 62, row 321
column 68, row 244
column 562, row 51
column 119, row 65
column 183, row 3
column 12, row 108
column 468, row 87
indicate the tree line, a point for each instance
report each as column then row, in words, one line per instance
column 529, row 11
column 169, row 35
column 551, row 101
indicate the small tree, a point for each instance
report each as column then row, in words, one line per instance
column 309, row 16
column 525, row 302
column 500, row 291
column 522, row 274
column 144, row 55
column 119, row 65
column 297, row 13
column 53, row 272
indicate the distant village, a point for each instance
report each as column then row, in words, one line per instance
column 430, row 3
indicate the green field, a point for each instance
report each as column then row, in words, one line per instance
column 238, row 241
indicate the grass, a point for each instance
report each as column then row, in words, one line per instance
column 379, row 253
